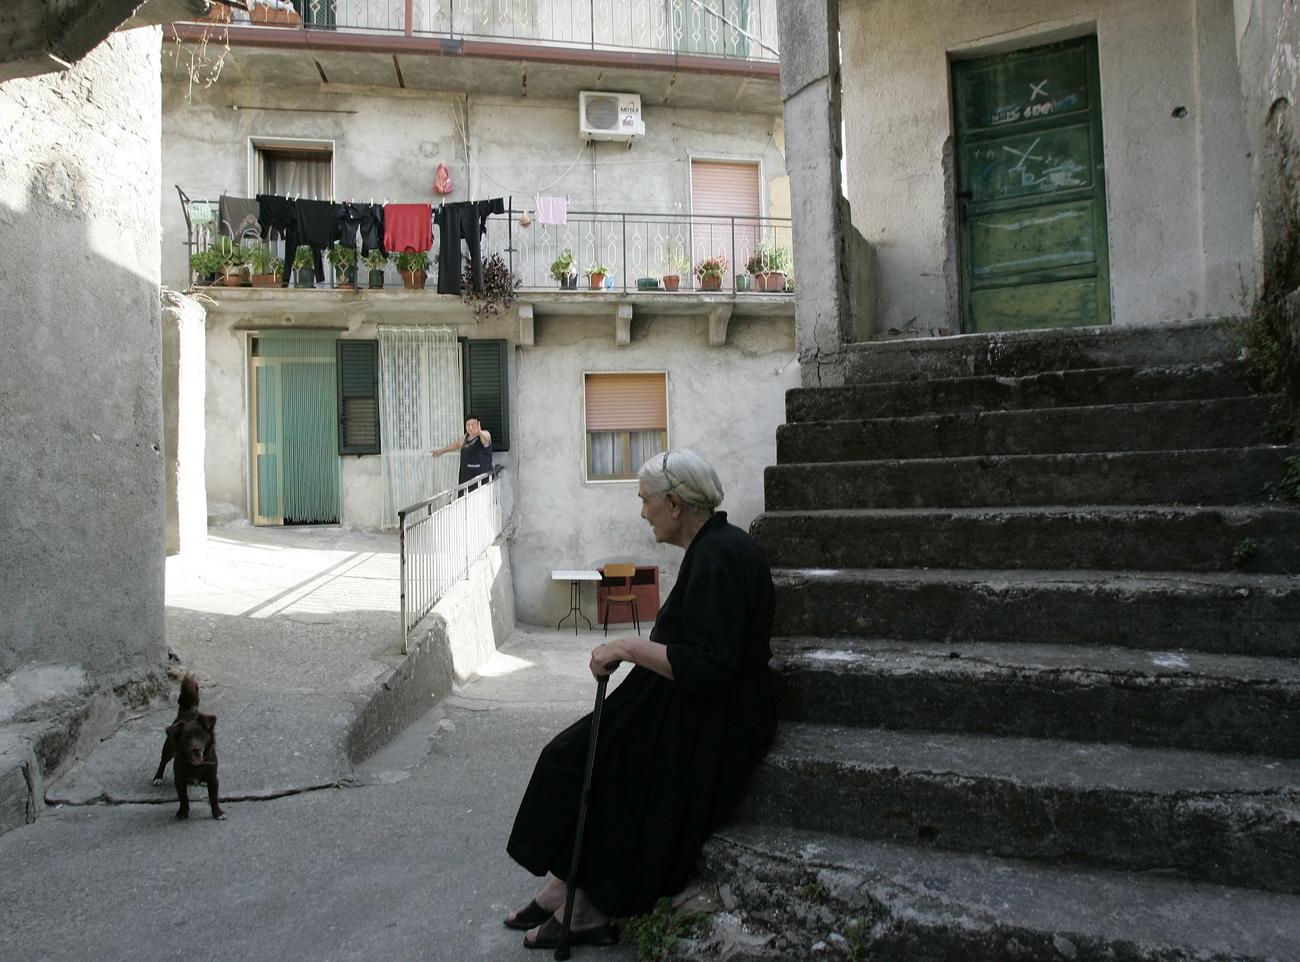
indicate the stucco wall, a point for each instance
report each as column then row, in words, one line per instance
column 724, row 403
column 81, row 461
column 1178, row 188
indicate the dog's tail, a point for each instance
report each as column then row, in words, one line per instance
column 189, row 692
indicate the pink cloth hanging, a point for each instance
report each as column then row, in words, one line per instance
column 408, row 227
column 552, row 210
column 442, row 180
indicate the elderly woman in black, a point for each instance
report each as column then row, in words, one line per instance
column 679, row 735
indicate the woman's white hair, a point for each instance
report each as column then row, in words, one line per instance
column 686, row 473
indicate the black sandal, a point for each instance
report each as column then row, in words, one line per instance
column 528, row 917
column 548, row 936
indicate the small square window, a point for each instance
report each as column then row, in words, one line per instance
column 626, row 423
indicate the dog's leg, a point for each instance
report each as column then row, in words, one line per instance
column 212, row 797
column 182, row 792
column 167, row 754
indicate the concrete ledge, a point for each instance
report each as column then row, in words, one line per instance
column 446, row 648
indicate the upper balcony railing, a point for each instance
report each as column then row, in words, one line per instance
column 732, row 29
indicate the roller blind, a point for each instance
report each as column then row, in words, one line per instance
column 483, row 367
column 627, row 402
column 724, row 189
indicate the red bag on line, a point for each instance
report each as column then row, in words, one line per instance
column 442, row 180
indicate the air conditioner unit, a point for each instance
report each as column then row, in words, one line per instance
column 606, row 116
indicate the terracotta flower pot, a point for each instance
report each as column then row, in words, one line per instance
column 711, row 282
column 671, row 282
column 266, row 280
column 776, row 280
column 597, row 281
column 413, row 280
column 232, row 280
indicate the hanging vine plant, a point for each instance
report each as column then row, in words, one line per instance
column 499, row 287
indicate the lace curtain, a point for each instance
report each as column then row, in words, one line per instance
column 420, row 405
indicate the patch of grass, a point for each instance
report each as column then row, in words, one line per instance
column 814, row 892
column 1278, row 428
column 1261, row 348
column 656, row 934
column 855, row 933
column 1288, row 489
column 1245, row 551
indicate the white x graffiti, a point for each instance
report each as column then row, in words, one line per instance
column 1038, row 90
column 1027, row 154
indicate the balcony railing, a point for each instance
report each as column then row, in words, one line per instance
column 637, row 248
column 641, row 247
column 739, row 29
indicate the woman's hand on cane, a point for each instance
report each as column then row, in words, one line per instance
column 605, row 658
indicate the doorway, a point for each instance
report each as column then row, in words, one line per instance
column 1031, row 191
column 294, row 428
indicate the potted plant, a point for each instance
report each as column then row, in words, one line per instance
column 676, row 266
column 304, row 267
column 770, row 265
column 267, row 268
column 710, row 271
column 562, row 270
column 206, row 265
column 414, row 268
column 375, row 262
column 596, row 275
column 230, row 260
column 648, row 283
column 344, row 261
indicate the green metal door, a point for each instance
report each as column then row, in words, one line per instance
column 1031, row 189
column 295, row 428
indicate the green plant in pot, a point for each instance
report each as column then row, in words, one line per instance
column 562, row 269
column 770, row 266
column 710, row 271
column 414, row 268
column 207, row 264
column 596, row 275
column 375, row 263
column 267, row 268
column 304, row 267
column 676, row 266
column 344, row 261
column 231, row 259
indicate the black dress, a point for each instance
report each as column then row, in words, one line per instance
column 672, row 756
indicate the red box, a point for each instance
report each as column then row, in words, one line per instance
column 645, row 586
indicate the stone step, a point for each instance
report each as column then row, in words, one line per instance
column 1014, row 353
column 796, row 890
column 1228, row 819
column 1225, row 613
column 1213, row 476
column 1191, row 700
column 1153, row 426
column 1170, row 538
column 1049, row 389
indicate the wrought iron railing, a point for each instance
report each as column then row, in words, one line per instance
column 641, row 248
column 740, row 29
column 440, row 539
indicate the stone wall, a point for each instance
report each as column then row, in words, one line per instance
column 1268, row 44
column 81, row 460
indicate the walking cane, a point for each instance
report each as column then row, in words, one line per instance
column 562, row 944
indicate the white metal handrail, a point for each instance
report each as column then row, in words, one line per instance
column 440, row 538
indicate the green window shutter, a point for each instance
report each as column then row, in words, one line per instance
column 483, row 366
column 358, row 396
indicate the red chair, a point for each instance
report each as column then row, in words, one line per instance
column 625, row 572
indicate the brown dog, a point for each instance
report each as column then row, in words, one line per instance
column 192, row 742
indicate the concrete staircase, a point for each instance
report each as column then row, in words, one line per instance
column 1039, row 660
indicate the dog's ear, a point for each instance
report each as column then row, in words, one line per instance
column 208, row 721
column 173, row 729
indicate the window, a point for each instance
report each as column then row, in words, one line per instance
column 483, row 376
column 626, row 423
column 725, row 203
column 358, row 362
column 294, row 169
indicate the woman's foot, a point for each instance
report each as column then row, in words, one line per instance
column 548, row 901
column 588, row 925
